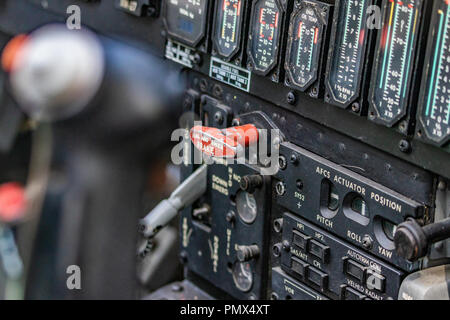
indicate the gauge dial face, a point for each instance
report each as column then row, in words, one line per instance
column 186, row 20
column 435, row 114
column 246, row 206
column 304, row 46
column 344, row 79
column 265, row 26
column 243, row 275
column 395, row 59
column 228, row 27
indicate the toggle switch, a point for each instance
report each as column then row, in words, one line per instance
column 224, row 143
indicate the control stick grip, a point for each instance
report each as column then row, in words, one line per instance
column 189, row 191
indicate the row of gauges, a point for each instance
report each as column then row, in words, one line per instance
column 387, row 59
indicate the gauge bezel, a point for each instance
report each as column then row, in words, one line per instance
column 422, row 130
column 375, row 114
column 251, row 59
column 330, row 97
column 216, row 46
column 236, row 263
column 287, row 66
column 182, row 39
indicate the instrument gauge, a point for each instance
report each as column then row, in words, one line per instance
column 348, row 51
column 228, row 28
column 186, row 20
column 265, row 35
column 393, row 68
column 435, row 98
column 243, row 275
column 246, row 206
column 304, row 46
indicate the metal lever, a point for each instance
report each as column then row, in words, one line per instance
column 189, row 191
column 223, row 143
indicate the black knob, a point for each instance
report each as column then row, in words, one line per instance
column 247, row 253
column 251, row 183
column 412, row 240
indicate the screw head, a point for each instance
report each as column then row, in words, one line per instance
column 290, row 97
column 404, row 146
column 230, row 217
column 356, row 107
column 280, row 188
column 183, row 257
column 197, row 59
column 235, row 122
column 367, row 242
column 177, row 288
column 282, row 163
column 442, row 185
column 286, row 245
column 278, row 225
column 276, row 249
column 294, row 159
column 218, row 117
column 203, row 85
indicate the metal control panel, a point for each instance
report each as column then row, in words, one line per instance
column 334, row 267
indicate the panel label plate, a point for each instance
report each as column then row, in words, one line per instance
column 179, row 53
column 230, row 74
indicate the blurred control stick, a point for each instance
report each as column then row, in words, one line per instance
column 112, row 108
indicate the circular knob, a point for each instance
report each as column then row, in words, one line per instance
column 251, row 183
column 412, row 240
column 247, row 253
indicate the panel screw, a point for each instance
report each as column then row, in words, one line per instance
column 187, row 102
column 355, row 107
column 217, row 90
column 280, row 188
column 294, row 159
column 203, row 85
column 235, row 122
column 177, row 288
column 367, row 242
column 286, row 245
column 183, row 257
column 230, row 217
column 278, row 225
column 282, row 163
column 291, row 97
column 197, row 59
column 218, row 117
column 276, row 249
column 404, row 146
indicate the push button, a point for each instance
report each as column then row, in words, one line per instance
column 298, row 266
column 319, row 250
column 352, row 294
column 318, row 277
column 375, row 281
column 354, row 269
column 300, row 240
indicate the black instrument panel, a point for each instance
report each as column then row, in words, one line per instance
column 307, row 63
